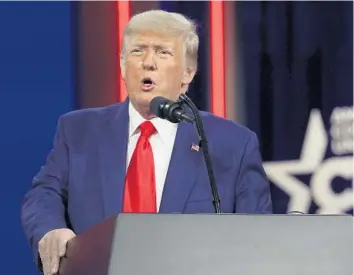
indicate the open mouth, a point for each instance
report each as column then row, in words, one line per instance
column 147, row 84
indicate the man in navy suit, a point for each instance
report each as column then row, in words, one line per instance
column 104, row 162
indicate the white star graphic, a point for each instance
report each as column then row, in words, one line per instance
column 312, row 154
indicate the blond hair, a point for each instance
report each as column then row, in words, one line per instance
column 165, row 23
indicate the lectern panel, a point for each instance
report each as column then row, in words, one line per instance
column 175, row 244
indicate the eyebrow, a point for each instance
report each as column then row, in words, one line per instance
column 145, row 45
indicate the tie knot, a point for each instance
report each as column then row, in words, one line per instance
column 147, row 129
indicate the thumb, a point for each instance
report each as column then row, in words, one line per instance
column 63, row 243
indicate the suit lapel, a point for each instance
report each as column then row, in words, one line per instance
column 182, row 172
column 112, row 154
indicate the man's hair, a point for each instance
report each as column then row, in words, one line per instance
column 169, row 23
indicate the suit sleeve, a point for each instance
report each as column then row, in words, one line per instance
column 253, row 190
column 44, row 205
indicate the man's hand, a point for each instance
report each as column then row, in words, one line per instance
column 53, row 246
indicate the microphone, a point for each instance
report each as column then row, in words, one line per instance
column 173, row 111
column 168, row 109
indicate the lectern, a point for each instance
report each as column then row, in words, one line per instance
column 208, row 244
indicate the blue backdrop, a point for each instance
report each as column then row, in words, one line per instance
column 36, row 86
column 298, row 62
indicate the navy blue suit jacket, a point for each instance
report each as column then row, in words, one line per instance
column 83, row 179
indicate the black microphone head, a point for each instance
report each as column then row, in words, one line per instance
column 166, row 109
column 157, row 104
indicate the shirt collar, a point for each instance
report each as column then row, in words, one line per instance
column 164, row 128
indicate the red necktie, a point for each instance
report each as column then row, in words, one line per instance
column 140, row 191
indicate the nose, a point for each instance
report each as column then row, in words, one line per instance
column 149, row 62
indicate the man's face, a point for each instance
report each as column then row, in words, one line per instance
column 154, row 66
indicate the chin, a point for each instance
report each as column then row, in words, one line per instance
column 143, row 101
column 146, row 97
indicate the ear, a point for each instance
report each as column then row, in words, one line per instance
column 188, row 75
column 122, row 67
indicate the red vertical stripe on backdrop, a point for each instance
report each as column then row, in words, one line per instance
column 217, row 58
column 123, row 16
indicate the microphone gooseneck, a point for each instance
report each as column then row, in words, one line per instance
column 203, row 143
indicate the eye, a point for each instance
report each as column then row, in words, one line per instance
column 165, row 52
column 136, row 51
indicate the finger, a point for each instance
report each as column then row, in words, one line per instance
column 44, row 254
column 54, row 256
column 45, row 260
column 62, row 247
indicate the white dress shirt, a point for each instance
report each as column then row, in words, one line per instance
column 161, row 141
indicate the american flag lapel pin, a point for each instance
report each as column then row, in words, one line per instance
column 195, row 147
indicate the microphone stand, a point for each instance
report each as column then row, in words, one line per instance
column 203, row 143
